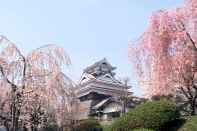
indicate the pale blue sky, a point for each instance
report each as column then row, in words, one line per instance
column 88, row 29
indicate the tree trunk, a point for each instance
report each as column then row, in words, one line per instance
column 14, row 110
column 193, row 108
column 6, row 125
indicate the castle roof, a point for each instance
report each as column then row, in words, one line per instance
column 100, row 66
column 100, row 79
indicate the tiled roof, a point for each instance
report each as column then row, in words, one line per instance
column 97, row 106
column 98, row 64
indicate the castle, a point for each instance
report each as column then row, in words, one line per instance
column 100, row 92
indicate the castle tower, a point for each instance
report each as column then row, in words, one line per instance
column 99, row 91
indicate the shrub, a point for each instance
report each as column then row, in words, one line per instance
column 173, row 125
column 152, row 115
column 142, row 129
column 88, row 125
column 51, row 128
column 190, row 125
column 107, row 128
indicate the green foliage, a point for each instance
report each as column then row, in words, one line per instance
column 88, row 125
column 190, row 125
column 152, row 115
column 51, row 123
column 107, row 128
column 142, row 129
column 173, row 125
column 51, row 128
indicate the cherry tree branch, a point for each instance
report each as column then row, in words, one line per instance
column 189, row 36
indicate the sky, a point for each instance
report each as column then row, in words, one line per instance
column 88, row 30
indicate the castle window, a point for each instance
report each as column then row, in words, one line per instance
column 104, row 63
column 83, row 78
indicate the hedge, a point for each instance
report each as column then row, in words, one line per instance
column 151, row 115
column 190, row 124
column 88, row 125
column 142, row 129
